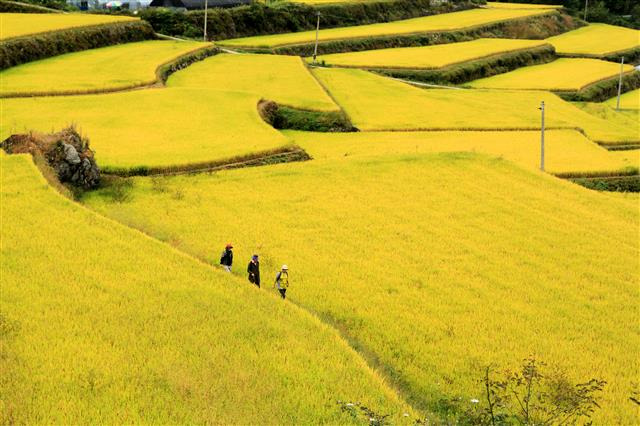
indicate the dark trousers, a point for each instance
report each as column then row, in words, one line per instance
column 283, row 292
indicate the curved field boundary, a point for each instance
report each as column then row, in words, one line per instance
column 163, row 71
column 631, row 56
column 465, row 71
column 284, row 154
column 553, row 23
column 20, row 50
column 603, row 89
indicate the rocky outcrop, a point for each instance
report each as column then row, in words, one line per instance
column 66, row 152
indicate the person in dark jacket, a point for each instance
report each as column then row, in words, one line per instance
column 226, row 260
column 253, row 269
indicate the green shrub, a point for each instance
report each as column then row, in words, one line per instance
column 603, row 90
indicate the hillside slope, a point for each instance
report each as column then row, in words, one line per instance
column 435, row 265
column 102, row 324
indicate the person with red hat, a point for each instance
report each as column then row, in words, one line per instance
column 226, row 260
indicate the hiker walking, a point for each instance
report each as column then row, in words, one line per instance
column 282, row 281
column 226, row 260
column 253, row 269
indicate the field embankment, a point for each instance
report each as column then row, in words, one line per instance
column 444, row 28
column 503, row 234
column 31, row 37
column 169, row 340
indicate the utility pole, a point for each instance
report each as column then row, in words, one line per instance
column 542, row 137
column 315, row 49
column 620, row 84
column 206, row 7
column 586, row 3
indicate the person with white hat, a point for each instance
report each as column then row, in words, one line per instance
column 282, row 281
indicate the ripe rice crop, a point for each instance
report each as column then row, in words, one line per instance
column 596, row 40
column 21, row 24
column 378, row 103
column 151, row 128
column 104, row 325
column 435, row 265
column 434, row 23
column 563, row 75
column 498, row 5
column 566, row 151
column 428, row 57
column 629, row 100
column 284, row 79
column 96, row 69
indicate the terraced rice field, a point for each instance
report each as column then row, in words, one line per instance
column 435, row 23
column 284, row 79
column 566, row 151
column 596, row 40
column 562, row 75
column 437, row 264
column 151, row 128
column 96, row 69
column 428, row 57
column 378, row 103
column 87, row 337
column 498, row 5
column 20, row 24
column 629, row 100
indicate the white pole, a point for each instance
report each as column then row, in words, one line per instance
column 542, row 137
column 315, row 49
column 586, row 3
column 206, row 7
column 620, row 84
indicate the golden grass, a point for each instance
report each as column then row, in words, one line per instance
column 564, row 74
column 96, row 69
column 434, row 23
column 428, row 57
column 596, row 40
column 438, row 265
column 20, row 24
column 498, row 5
column 566, row 151
column 151, row 128
column 378, row 103
column 284, row 79
column 101, row 324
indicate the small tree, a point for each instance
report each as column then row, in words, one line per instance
column 535, row 395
